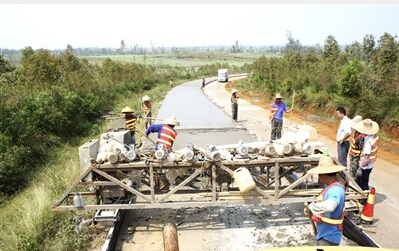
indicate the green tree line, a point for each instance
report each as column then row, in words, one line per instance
column 363, row 77
column 49, row 100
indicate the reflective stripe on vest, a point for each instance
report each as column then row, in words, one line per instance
column 332, row 221
column 354, row 149
column 167, row 136
column 131, row 123
column 374, row 148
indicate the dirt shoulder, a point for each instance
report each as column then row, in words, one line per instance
column 388, row 150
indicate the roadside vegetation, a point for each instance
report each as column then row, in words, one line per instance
column 51, row 103
column 363, row 77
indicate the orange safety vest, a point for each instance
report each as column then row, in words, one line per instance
column 167, row 136
column 374, row 148
column 354, row 149
column 130, row 123
column 332, row 221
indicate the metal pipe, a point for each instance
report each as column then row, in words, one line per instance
column 170, row 238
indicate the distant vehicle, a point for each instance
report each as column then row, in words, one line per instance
column 223, row 75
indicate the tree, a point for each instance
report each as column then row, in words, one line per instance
column 385, row 62
column 368, row 46
column 292, row 45
column 331, row 50
column 123, row 46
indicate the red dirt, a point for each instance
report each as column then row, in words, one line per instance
column 388, row 150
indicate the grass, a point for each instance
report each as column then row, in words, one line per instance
column 185, row 59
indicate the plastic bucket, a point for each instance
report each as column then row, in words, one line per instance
column 243, row 179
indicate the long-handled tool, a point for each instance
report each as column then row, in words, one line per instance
column 292, row 106
column 309, row 213
column 145, row 135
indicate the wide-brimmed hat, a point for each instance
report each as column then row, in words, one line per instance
column 233, row 91
column 326, row 165
column 367, row 126
column 355, row 120
column 172, row 121
column 146, row 98
column 278, row 95
column 127, row 109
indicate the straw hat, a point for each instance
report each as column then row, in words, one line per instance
column 367, row 126
column 146, row 98
column 326, row 165
column 355, row 120
column 127, row 109
column 233, row 91
column 278, row 95
column 172, row 121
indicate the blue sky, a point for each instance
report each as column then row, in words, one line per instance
column 94, row 25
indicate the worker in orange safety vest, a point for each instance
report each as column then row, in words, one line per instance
column 328, row 210
column 166, row 132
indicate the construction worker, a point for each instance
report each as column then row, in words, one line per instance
column 203, row 83
column 328, row 210
column 343, row 134
column 276, row 116
column 166, row 132
column 368, row 154
column 356, row 145
column 234, row 104
column 147, row 109
column 130, row 122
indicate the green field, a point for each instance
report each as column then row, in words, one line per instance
column 185, row 59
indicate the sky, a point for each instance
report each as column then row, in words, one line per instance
column 54, row 26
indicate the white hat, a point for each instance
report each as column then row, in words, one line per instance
column 127, row 109
column 355, row 120
column 326, row 165
column 233, row 91
column 146, row 98
column 278, row 95
column 367, row 126
column 172, row 121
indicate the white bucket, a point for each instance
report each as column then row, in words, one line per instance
column 244, row 179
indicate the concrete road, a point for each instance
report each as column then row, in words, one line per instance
column 202, row 122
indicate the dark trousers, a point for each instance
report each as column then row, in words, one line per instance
column 277, row 127
column 342, row 150
column 363, row 177
column 234, row 111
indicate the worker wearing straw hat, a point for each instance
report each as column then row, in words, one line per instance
column 356, row 145
column 166, row 132
column 328, row 211
column 147, row 109
column 276, row 116
column 130, row 122
column 368, row 155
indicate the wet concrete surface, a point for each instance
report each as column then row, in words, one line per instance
column 202, row 122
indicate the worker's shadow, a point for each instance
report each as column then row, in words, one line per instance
column 379, row 197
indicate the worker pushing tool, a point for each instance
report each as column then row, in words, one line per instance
column 166, row 132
